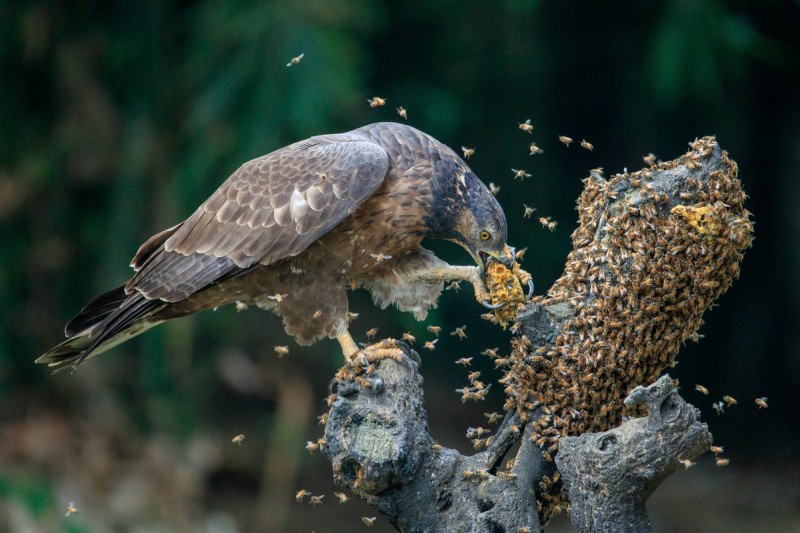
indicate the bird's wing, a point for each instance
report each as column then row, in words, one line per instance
column 271, row 208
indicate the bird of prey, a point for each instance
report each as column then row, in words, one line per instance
column 291, row 231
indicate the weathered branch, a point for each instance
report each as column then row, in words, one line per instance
column 652, row 252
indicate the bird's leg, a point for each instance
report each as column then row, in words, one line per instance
column 457, row 272
column 353, row 356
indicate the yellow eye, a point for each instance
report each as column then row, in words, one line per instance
column 485, row 235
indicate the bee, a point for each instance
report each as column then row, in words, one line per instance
column 718, row 407
column 71, row 509
column 409, row 337
column 436, row 448
column 490, row 352
column 342, row 497
column 493, row 417
column 722, row 462
column 702, row 390
column 376, row 102
column 434, row 329
column 330, row 399
column 311, row 446
column 278, row 297
column 316, row 500
column 380, row 258
column 521, row 174
column 323, row 419
column 317, row 314
column 300, row 494
column 649, row 159
column 586, row 145
column 472, row 376
column 491, row 317
column 515, row 430
column 535, row 149
column 402, row 112
column 528, row 211
column 564, row 139
column 762, row 402
column 526, row 126
column 363, row 382
column 453, row 286
column 716, row 450
column 466, row 361
column 508, row 476
column 372, row 332
column 687, row 464
column 521, row 253
column 460, row 332
column 238, row 439
column 494, row 189
column 295, row 60
column 430, row 345
column 240, row 306
column 351, row 316
column 281, row 351
column 467, row 474
column 368, row 521
column 467, row 152
column 729, row 400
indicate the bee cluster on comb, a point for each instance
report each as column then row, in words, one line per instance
column 653, row 250
column 505, row 287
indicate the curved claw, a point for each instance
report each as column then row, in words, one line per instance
column 488, row 305
column 530, row 290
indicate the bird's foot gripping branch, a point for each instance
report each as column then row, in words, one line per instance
column 654, row 249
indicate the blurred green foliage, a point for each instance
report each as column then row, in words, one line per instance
column 117, row 119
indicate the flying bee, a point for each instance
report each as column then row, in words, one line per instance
column 402, row 112
column 718, row 407
column 453, row 286
column 521, row 253
column 494, row 189
column 300, row 494
column 311, row 446
column 316, row 500
column 729, row 400
column 472, row 376
column 342, row 497
column 521, row 174
column 716, row 450
column 372, row 332
column 762, row 402
column 587, row 145
column 564, row 139
column 409, row 337
column 528, row 211
column 493, row 417
column 526, row 126
column 430, row 345
column 649, row 159
column 278, row 297
column 702, row 390
column 546, row 222
column 380, row 258
column 535, row 149
column 71, row 509
column 466, row 361
column 323, row 419
column 238, row 439
column 687, row 464
column 434, row 329
column 240, row 306
column 351, row 316
column 317, row 314
column 368, row 521
column 490, row 352
column 467, row 152
column 722, row 462
column 376, row 102
column 281, row 351
column 295, row 60
column 460, row 332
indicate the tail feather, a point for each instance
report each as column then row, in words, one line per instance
column 105, row 322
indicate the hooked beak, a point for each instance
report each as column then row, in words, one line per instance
column 508, row 257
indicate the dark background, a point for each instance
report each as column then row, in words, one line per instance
column 118, row 118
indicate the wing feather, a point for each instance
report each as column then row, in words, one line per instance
column 271, row 208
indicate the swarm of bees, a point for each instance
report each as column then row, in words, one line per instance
column 634, row 288
column 505, row 286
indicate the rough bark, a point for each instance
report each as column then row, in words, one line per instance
column 652, row 252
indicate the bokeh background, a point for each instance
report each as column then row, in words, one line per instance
column 118, row 118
